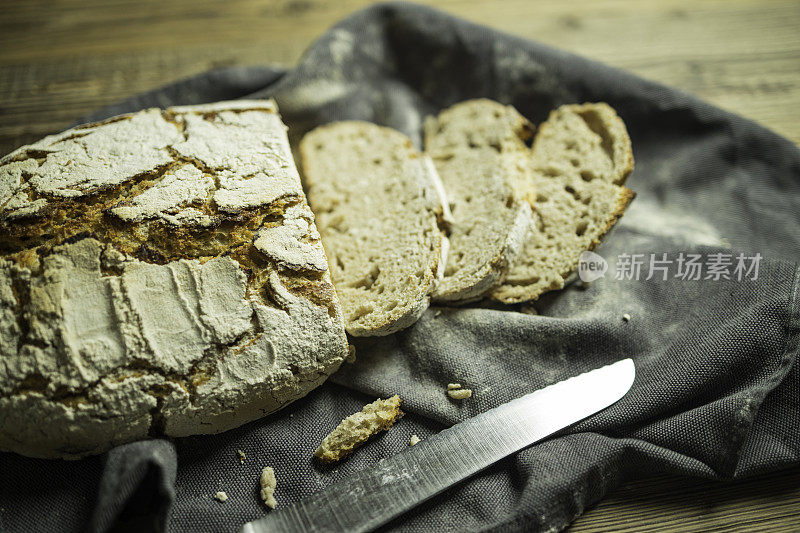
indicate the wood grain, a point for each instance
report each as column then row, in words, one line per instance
column 677, row 504
column 61, row 59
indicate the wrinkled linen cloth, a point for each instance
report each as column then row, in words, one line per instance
column 716, row 394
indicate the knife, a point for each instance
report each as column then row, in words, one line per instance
column 372, row 497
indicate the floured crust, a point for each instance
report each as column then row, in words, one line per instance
column 160, row 275
column 480, row 152
column 381, row 211
column 492, row 274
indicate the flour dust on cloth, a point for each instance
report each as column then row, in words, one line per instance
column 717, row 386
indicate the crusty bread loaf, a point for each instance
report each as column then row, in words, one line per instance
column 479, row 149
column 580, row 157
column 160, row 274
column 379, row 207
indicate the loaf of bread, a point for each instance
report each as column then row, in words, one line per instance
column 480, row 152
column 160, row 275
column 581, row 157
column 380, row 209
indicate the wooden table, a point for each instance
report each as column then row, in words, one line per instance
column 62, row 59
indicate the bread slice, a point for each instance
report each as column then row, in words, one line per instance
column 581, row 157
column 479, row 151
column 379, row 207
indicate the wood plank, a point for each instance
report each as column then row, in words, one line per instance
column 675, row 504
column 603, row 27
column 48, row 78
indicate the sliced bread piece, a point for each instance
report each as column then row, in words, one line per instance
column 581, row 157
column 479, row 150
column 379, row 207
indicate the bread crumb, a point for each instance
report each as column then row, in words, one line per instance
column 242, row 456
column 459, row 394
column 268, row 484
column 354, row 430
column 414, row 440
column 455, row 391
column 626, row 317
column 351, row 354
column 221, row 496
column 437, row 313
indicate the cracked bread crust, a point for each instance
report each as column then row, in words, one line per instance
column 160, row 275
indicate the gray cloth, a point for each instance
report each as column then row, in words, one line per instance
column 717, row 389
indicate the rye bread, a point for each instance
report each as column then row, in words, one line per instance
column 480, row 152
column 379, row 207
column 580, row 159
column 160, row 275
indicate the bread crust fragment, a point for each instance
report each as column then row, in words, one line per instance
column 480, row 151
column 357, row 429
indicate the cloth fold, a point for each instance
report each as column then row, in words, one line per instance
column 717, row 385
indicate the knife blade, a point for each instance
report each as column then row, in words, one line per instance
column 372, row 497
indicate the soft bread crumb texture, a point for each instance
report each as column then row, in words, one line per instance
column 160, row 275
column 580, row 159
column 221, row 497
column 268, row 482
column 455, row 391
column 357, row 428
column 460, row 394
column 480, row 152
column 379, row 207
